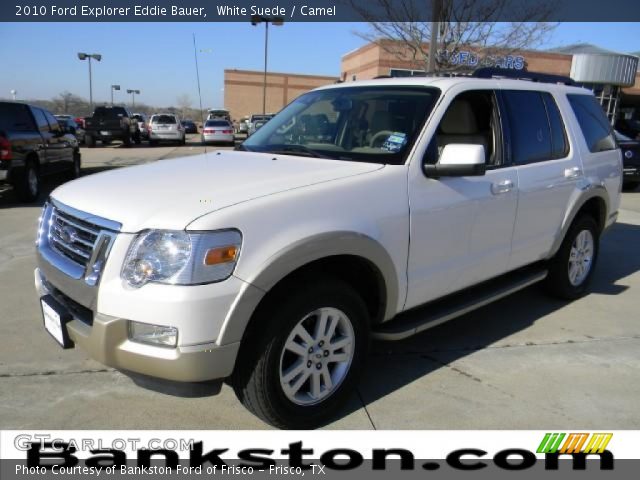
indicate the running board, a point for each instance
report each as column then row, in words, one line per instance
column 437, row 312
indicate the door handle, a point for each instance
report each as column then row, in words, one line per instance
column 503, row 186
column 573, row 172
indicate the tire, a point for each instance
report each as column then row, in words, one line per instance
column 28, row 186
column 184, row 140
column 137, row 138
column 91, row 141
column 630, row 186
column 571, row 269
column 153, row 143
column 264, row 361
column 76, row 168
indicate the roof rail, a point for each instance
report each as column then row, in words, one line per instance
column 493, row 72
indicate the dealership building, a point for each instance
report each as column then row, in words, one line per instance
column 614, row 77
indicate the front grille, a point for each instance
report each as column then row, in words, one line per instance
column 72, row 237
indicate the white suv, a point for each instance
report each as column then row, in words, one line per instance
column 274, row 265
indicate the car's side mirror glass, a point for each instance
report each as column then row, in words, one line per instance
column 458, row 160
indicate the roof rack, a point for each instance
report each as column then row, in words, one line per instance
column 492, row 72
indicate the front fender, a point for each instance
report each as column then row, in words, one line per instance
column 299, row 254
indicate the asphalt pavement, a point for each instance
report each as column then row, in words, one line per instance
column 524, row 362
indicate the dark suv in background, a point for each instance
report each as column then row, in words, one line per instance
column 33, row 144
column 111, row 123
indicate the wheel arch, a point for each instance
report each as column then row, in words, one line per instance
column 355, row 258
column 593, row 202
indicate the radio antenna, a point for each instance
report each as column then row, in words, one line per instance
column 195, row 55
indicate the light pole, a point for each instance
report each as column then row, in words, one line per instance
column 89, row 56
column 133, row 96
column 114, row 87
column 276, row 21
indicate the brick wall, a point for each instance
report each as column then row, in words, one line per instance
column 243, row 90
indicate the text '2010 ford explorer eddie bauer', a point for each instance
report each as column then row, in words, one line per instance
column 274, row 265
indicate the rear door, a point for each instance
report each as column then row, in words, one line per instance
column 60, row 143
column 51, row 155
column 548, row 171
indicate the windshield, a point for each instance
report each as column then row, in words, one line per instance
column 376, row 124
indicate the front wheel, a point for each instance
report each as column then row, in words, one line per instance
column 571, row 269
column 76, row 168
column 304, row 362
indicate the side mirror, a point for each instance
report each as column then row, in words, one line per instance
column 458, row 160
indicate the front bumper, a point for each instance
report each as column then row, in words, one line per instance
column 631, row 173
column 106, row 340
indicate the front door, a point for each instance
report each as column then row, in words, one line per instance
column 461, row 227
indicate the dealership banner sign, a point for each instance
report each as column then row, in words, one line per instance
column 313, row 10
column 326, row 454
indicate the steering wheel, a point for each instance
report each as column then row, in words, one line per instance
column 378, row 135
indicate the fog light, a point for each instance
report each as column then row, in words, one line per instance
column 153, row 334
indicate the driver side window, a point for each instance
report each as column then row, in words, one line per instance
column 471, row 118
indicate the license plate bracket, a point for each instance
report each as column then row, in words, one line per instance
column 55, row 317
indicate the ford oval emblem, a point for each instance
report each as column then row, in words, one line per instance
column 68, row 234
column 628, row 154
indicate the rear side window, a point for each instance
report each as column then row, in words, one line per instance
column 15, row 117
column 530, row 131
column 593, row 123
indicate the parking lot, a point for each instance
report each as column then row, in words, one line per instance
column 525, row 362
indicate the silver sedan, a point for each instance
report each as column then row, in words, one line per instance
column 218, row 131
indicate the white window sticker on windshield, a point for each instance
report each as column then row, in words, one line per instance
column 395, row 142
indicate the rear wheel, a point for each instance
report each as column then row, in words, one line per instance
column 28, row 186
column 304, row 362
column 571, row 269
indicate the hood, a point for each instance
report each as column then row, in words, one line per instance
column 170, row 194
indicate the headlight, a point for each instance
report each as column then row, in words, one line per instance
column 181, row 258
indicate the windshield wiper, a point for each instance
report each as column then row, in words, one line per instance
column 299, row 150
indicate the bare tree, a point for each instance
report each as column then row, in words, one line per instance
column 464, row 26
column 184, row 103
column 67, row 102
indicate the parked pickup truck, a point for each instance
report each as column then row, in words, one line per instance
column 33, row 144
column 275, row 264
column 111, row 123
